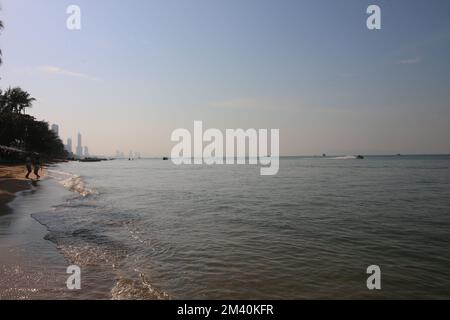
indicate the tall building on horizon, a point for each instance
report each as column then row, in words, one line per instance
column 79, row 146
column 55, row 129
column 86, row 151
column 69, row 145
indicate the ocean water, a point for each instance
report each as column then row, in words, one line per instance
column 149, row 229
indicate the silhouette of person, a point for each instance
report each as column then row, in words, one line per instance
column 28, row 165
column 37, row 166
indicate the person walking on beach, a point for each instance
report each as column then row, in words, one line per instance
column 37, row 166
column 28, row 164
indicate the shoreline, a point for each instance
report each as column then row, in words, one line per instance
column 12, row 181
column 31, row 267
column 32, row 264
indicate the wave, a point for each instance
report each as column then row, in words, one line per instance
column 76, row 184
column 127, row 289
column 344, row 158
column 88, row 250
column 83, row 242
column 71, row 182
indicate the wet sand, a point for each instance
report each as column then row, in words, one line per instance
column 30, row 266
column 12, row 180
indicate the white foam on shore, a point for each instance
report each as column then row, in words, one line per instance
column 71, row 182
column 128, row 289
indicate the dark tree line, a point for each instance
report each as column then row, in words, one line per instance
column 22, row 131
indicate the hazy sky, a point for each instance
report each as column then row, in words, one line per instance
column 139, row 69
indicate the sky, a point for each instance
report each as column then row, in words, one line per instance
column 139, row 69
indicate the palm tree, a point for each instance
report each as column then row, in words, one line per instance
column 2, row 102
column 1, row 27
column 16, row 100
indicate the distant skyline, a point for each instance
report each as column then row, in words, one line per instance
column 79, row 152
column 68, row 145
column 55, row 129
column 137, row 71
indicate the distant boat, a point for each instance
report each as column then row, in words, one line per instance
column 165, row 158
column 360, row 157
column 324, row 155
column 91, row 160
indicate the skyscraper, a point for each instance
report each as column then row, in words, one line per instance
column 55, row 129
column 69, row 145
column 79, row 146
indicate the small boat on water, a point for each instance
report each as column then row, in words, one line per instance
column 360, row 157
column 91, row 160
column 165, row 158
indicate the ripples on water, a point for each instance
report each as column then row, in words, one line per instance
column 159, row 230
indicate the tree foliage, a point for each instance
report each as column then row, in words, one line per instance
column 23, row 131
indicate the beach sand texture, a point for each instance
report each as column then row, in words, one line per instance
column 30, row 266
column 12, row 180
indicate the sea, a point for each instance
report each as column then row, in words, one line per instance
column 149, row 229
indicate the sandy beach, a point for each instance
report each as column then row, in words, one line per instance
column 12, row 180
column 23, row 249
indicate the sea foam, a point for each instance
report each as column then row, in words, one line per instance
column 71, row 182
